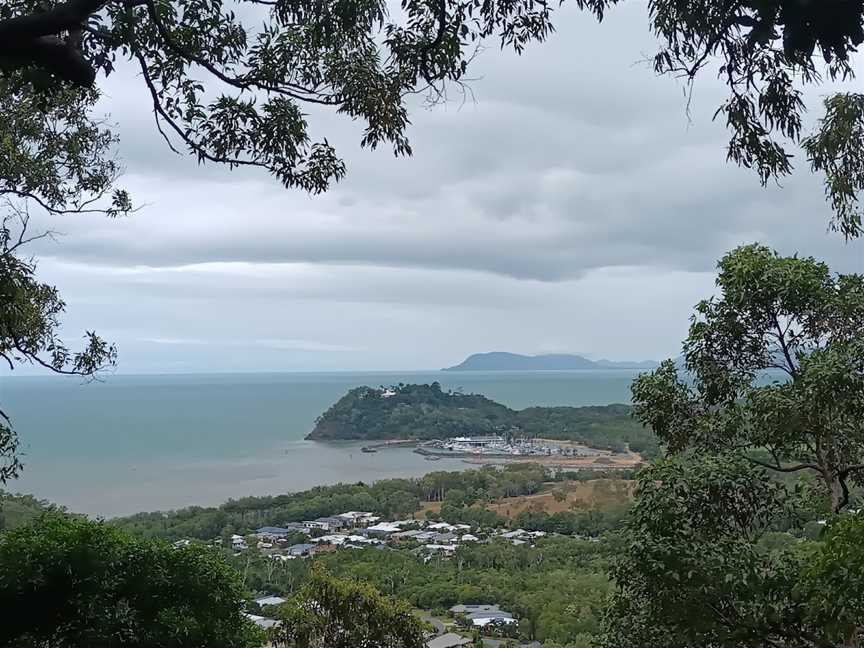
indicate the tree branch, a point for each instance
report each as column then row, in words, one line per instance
column 787, row 469
column 46, row 206
column 781, row 338
column 843, row 474
column 159, row 111
column 236, row 82
column 64, row 17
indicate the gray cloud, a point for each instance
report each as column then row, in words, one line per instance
column 573, row 205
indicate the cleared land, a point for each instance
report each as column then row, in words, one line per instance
column 567, row 496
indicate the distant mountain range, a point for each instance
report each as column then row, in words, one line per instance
column 502, row 361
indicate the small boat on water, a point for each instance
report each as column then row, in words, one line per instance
column 432, row 458
column 367, row 449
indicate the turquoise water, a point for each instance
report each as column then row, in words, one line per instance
column 135, row 443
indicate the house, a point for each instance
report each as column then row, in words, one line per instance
column 299, row 550
column 469, row 537
column 328, row 523
column 270, row 600
column 445, row 538
column 358, row 519
column 382, row 530
column 335, row 539
column 442, row 526
column 271, row 532
column 260, row 621
column 482, row 615
column 518, row 533
column 449, row 640
column 182, row 543
column 444, row 549
column 238, row 543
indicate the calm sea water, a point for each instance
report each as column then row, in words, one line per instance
column 136, row 443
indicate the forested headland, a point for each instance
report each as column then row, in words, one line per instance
column 409, row 411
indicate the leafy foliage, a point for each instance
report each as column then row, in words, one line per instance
column 53, row 152
column 17, row 510
column 66, row 582
column 229, row 80
column 692, row 571
column 788, row 315
column 55, row 156
column 721, row 548
column 835, row 149
column 767, row 51
column 332, row 613
column 29, row 323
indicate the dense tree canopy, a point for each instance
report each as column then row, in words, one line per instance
column 67, row 582
column 777, row 368
column 331, row 613
column 698, row 568
column 724, row 546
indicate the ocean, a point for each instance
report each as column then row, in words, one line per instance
column 158, row 442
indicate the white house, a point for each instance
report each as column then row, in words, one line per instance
column 270, row 600
column 482, row 615
column 382, row 529
column 449, row 640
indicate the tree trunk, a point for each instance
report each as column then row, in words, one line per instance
column 836, row 494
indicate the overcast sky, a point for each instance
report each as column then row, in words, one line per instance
column 572, row 207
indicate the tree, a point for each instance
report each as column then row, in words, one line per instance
column 777, row 368
column 692, row 573
column 719, row 549
column 72, row 582
column 766, row 52
column 229, row 81
column 55, row 157
column 333, row 613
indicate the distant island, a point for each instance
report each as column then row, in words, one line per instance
column 425, row 412
column 503, row 361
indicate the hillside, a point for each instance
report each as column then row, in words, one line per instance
column 502, row 361
column 427, row 412
column 409, row 412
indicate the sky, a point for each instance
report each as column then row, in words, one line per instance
column 571, row 205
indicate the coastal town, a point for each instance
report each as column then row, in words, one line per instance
column 428, row 540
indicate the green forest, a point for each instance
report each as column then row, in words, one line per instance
column 407, row 411
column 461, row 493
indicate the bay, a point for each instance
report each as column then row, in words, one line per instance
column 156, row 442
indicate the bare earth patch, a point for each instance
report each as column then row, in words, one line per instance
column 566, row 496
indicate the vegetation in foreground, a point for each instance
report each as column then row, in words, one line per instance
column 712, row 552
